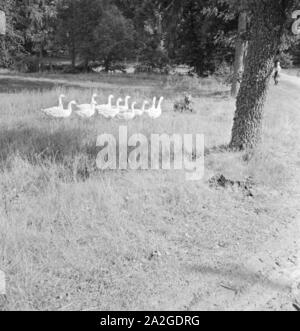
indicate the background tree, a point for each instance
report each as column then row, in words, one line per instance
column 205, row 36
column 148, row 18
column 77, row 20
column 295, row 52
column 11, row 45
column 68, row 29
column 35, row 23
column 113, row 38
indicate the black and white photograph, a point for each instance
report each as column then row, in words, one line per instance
column 149, row 158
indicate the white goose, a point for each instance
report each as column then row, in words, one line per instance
column 140, row 112
column 155, row 112
column 88, row 105
column 105, row 107
column 126, row 106
column 113, row 111
column 60, row 106
column 128, row 115
column 152, row 108
column 60, row 100
column 94, row 96
column 60, row 112
column 153, row 105
column 87, row 110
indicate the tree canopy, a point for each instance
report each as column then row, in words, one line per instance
column 199, row 33
column 156, row 32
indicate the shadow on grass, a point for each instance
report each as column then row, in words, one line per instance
column 73, row 149
column 123, row 86
column 15, row 85
column 238, row 273
column 58, row 144
column 67, row 147
column 217, row 149
column 220, row 95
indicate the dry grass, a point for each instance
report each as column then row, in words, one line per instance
column 72, row 237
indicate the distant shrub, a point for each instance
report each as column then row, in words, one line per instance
column 27, row 64
column 150, row 68
column 70, row 70
column 154, row 59
column 186, row 83
column 286, row 60
column 143, row 68
column 118, row 68
column 225, row 75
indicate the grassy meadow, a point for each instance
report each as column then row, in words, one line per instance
column 76, row 238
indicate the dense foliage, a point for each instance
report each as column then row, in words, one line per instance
column 157, row 34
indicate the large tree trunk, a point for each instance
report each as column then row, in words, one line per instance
column 266, row 32
column 240, row 51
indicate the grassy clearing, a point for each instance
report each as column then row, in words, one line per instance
column 72, row 237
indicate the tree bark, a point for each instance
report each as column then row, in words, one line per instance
column 266, row 32
column 73, row 54
column 159, row 27
column 41, row 56
column 73, row 35
column 240, row 51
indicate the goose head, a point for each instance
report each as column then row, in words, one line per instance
column 154, row 102
column 119, row 102
column 133, row 106
column 61, row 97
column 160, row 102
column 71, row 103
column 127, row 100
column 94, row 96
column 144, row 105
column 110, row 99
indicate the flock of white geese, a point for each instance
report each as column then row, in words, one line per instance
column 120, row 110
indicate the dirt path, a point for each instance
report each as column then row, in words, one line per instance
column 270, row 278
column 262, row 270
column 280, row 257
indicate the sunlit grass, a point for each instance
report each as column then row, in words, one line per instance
column 73, row 237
